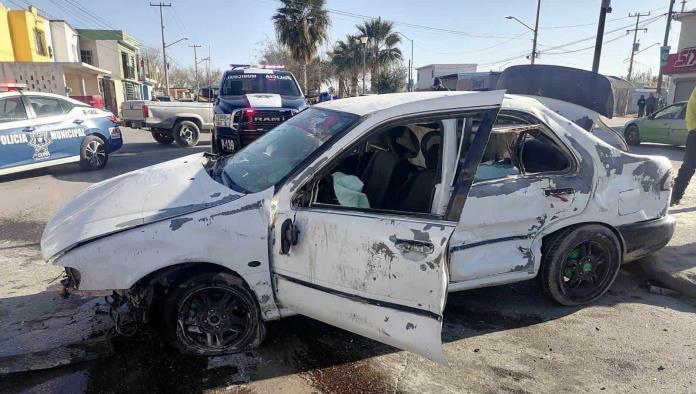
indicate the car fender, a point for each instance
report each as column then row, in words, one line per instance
column 233, row 235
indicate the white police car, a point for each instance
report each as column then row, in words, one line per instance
column 42, row 129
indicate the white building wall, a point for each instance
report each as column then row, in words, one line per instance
column 426, row 74
column 66, row 46
column 105, row 55
column 38, row 76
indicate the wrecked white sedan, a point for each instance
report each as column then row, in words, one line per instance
column 363, row 213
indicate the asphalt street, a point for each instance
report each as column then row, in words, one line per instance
column 502, row 339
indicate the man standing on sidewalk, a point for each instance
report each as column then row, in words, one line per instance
column 650, row 104
column 641, row 106
column 686, row 171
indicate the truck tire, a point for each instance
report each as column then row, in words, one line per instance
column 186, row 133
column 579, row 264
column 163, row 138
column 93, row 154
column 212, row 313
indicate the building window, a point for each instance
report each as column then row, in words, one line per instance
column 86, row 56
column 40, row 40
column 128, row 65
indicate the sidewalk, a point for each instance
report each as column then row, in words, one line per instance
column 675, row 265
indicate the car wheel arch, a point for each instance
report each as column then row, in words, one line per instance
column 193, row 119
column 549, row 235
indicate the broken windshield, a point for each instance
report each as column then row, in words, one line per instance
column 269, row 159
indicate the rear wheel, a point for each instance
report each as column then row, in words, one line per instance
column 186, row 133
column 212, row 313
column 163, row 138
column 93, row 155
column 632, row 135
column 580, row 264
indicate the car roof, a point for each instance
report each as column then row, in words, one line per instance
column 369, row 104
column 41, row 94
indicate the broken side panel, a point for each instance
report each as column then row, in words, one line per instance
column 378, row 275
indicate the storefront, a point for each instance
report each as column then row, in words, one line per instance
column 681, row 66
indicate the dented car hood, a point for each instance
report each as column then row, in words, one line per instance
column 148, row 195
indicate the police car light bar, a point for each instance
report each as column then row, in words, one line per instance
column 12, row 86
column 266, row 66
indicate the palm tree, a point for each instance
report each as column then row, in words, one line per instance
column 382, row 50
column 346, row 59
column 301, row 25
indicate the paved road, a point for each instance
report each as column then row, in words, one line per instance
column 503, row 339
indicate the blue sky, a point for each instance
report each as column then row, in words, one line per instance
column 477, row 30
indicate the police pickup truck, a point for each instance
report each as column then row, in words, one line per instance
column 252, row 101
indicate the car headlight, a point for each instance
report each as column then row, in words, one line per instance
column 223, row 120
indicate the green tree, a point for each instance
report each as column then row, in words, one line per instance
column 346, row 59
column 390, row 80
column 272, row 52
column 301, row 26
column 382, row 48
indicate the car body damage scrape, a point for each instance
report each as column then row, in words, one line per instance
column 378, row 272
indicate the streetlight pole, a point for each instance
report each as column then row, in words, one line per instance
column 363, row 41
column 535, row 30
column 164, row 47
column 410, row 66
column 195, row 67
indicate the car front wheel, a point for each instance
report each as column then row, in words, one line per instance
column 186, row 133
column 632, row 135
column 212, row 313
column 580, row 264
column 93, row 155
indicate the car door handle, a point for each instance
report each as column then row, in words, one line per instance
column 409, row 245
column 28, row 129
column 78, row 121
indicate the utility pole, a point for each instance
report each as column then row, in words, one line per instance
column 164, row 46
column 634, row 47
column 603, row 11
column 683, row 5
column 536, row 32
column 665, row 42
column 195, row 67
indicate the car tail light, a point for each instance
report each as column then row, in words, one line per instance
column 249, row 113
column 112, row 118
column 146, row 111
column 667, row 181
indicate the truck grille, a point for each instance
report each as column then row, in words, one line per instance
column 258, row 123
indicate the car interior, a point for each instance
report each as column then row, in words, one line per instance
column 400, row 168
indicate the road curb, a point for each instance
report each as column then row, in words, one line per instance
column 681, row 281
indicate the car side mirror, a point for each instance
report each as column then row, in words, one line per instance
column 312, row 93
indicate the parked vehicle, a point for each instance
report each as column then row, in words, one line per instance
column 666, row 126
column 363, row 213
column 43, row 129
column 169, row 121
column 252, row 101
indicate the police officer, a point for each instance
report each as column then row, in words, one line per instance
column 686, row 171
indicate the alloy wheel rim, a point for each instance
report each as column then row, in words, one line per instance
column 187, row 133
column 95, row 153
column 586, row 270
column 214, row 318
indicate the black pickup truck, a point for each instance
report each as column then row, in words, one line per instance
column 251, row 102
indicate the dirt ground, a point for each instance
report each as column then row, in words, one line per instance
column 502, row 339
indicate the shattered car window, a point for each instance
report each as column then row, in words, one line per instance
column 273, row 156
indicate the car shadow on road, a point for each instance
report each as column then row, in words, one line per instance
column 332, row 359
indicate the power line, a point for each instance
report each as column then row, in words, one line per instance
column 82, row 8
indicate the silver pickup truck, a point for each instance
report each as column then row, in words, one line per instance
column 169, row 121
